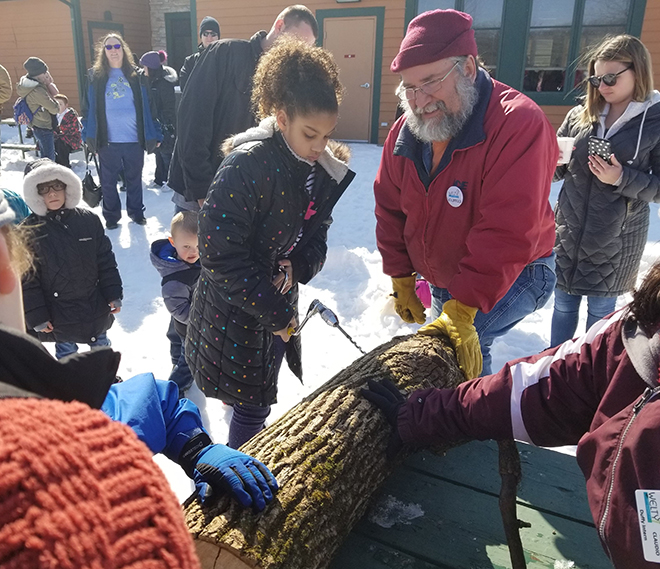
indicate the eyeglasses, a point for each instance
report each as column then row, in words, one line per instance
column 111, row 46
column 428, row 88
column 47, row 187
column 609, row 78
column 209, row 34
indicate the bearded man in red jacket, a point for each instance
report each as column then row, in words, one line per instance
column 462, row 192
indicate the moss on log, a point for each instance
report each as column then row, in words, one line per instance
column 328, row 454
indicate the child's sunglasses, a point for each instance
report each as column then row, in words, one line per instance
column 110, row 46
column 609, row 78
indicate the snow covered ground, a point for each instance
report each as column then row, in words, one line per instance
column 351, row 284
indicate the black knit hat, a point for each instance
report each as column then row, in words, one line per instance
column 210, row 24
column 35, row 66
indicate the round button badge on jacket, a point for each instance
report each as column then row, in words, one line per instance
column 454, row 196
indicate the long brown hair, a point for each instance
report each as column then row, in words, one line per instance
column 101, row 67
column 627, row 49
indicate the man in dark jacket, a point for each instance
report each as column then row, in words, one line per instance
column 209, row 31
column 161, row 84
column 462, row 192
column 216, row 104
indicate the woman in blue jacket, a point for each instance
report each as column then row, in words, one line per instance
column 119, row 124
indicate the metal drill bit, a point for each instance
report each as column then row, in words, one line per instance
column 329, row 317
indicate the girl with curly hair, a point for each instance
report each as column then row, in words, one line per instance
column 263, row 230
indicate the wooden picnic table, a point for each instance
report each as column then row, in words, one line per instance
column 22, row 146
column 461, row 526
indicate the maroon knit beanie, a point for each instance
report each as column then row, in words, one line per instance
column 433, row 36
column 78, row 490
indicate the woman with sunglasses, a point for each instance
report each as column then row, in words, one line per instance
column 602, row 213
column 119, row 123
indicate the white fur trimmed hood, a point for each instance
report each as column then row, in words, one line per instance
column 45, row 170
column 334, row 159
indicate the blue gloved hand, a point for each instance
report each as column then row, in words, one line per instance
column 226, row 469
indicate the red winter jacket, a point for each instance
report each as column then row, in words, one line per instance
column 486, row 214
column 600, row 392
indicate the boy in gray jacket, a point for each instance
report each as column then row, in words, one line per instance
column 177, row 261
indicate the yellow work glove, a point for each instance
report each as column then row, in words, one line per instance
column 406, row 302
column 457, row 323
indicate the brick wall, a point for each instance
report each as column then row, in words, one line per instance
column 158, row 10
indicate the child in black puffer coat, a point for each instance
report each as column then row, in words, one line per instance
column 75, row 289
column 263, row 230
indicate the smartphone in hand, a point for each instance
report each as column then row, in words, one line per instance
column 600, row 147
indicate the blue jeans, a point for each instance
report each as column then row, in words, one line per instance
column 567, row 311
column 63, row 349
column 528, row 293
column 114, row 157
column 46, row 141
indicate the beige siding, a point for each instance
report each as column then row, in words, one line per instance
column 651, row 36
column 555, row 114
column 132, row 14
column 242, row 20
column 50, row 36
column 47, row 36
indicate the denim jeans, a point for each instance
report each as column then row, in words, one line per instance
column 114, row 157
column 528, row 293
column 567, row 312
column 63, row 349
column 46, row 141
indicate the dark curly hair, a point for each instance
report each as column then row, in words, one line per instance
column 296, row 77
column 645, row 305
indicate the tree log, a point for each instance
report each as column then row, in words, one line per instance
column 328, row 455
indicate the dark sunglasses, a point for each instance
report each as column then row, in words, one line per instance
column 609, row 78
column 46, row 187
column 110, row 46
column 209, row 34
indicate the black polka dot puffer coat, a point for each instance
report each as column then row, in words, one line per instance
column 254, row 213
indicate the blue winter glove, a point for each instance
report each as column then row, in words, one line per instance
column 229, row 470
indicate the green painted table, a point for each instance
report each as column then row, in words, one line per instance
column 461, row 527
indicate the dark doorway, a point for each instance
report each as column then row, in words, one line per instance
column 177, row 34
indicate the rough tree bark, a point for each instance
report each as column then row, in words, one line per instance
column 328, row 455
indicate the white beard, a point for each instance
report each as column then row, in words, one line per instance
column 449, row 124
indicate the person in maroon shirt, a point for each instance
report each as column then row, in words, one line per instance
column 599, row 391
